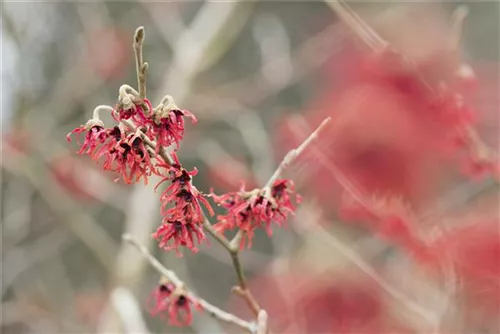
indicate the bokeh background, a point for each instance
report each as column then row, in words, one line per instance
column 259, row 76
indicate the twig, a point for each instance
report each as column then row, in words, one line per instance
column 140, row 66
column 357, row 24
column 234, row 244
column 172, row 276
column 293, row 154
column 262, row 322
column 67, row 210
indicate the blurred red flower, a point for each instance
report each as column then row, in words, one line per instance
column 301, row 303
column 474, row 250
column 109, row 52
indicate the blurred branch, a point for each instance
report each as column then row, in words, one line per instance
column 21, row 259
column 64, row 207
column 168, row 22
column 262, row 322
column 211, row 309
column 188, row 52
column 311, row 54
column 123, row 302
column 293, row 154
column 357, row 24
column 258, row 142
column 330, row 239
column 210, row 27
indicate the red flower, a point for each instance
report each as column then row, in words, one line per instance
column 95, row 135
column 75, row 177
column 259, row 208
column 122, row 153
column 128, row 157
column 181, row 209
column 282, row 192
column 388, row 217
column 109, row 54
column 184, row 195
column 135, row 112
column 393, row 113
column 173, row 234
column 167, row 300
column 474, row 250
column 301, row 301
column 169, row 128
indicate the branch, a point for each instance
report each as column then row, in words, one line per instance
column 234, row 244
column 140, row 66
column 358, row 25
column 212, row 310
column 293, row 154
column 262, row 322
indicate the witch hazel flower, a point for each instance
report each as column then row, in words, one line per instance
column 173, row 303
column 173, row 234
column 184, row 196
column 259, row 208
column 131, row 106
column 168, row 123
column 129, row 157
column 390, row 217
column 95, row 133
column 182, row 210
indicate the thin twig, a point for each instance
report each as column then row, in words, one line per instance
column 172, row 276
column 358, row 25
column 293, row 154
column 140, row 66
column 234, row 244
column 262, row 322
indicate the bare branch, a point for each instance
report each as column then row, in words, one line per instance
column 140, row 66
column 262, row 322
column 293, row 154
column 212, row 310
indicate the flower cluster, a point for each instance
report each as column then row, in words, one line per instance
column 181, row 209
column 168, row 126
column 132, row 150
column 122, row 148
column 248, row 210
column 118, row 149
column 174, row 303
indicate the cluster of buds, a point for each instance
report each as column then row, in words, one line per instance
column 173, row 303
column 259, row 208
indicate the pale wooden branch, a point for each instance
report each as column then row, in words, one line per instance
column 140, row 66
column 262, row 322
column 234, row 244
column 293, row 154
column 212, row 310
